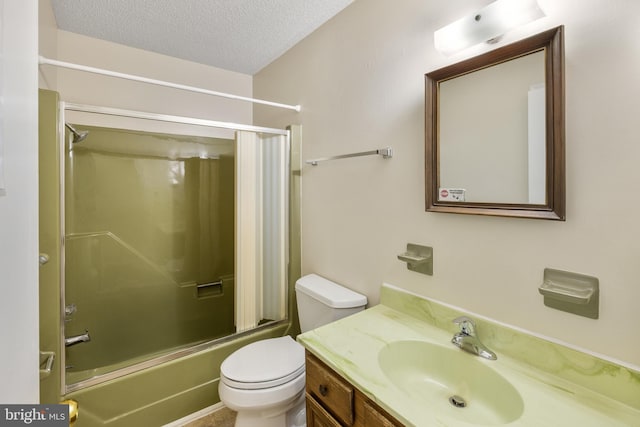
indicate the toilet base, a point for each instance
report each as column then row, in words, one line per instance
column 294, row 417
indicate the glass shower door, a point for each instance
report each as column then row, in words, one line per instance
column 149, row 247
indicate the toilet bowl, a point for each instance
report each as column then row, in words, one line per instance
column 264, row 381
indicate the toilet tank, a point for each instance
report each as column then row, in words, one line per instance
column 321, row 301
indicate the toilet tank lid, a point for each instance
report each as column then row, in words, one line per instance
column 329, row 293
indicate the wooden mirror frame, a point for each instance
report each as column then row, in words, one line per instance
column 552, row 42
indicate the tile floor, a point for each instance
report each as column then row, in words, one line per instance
column 223, row 417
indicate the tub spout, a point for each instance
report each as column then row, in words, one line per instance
column 77, row 339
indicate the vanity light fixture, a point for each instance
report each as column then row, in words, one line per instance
column 486, row 25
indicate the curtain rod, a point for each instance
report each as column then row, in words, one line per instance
column 46, row 61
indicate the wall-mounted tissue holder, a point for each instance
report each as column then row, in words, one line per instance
column 418, row 258
column 571, row 292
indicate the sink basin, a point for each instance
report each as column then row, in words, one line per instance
column 452, row 382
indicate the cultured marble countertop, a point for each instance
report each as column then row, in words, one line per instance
column 560, row 387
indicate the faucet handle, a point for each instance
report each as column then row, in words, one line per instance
column 467, row 325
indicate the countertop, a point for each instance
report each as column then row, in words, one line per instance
column 555, row 393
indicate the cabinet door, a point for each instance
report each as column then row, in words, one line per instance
column 331, row 390
column 317, row 416
column 373, row 418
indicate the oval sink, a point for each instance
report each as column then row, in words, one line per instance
column 450, row 381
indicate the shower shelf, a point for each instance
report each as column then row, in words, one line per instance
column 386, row 153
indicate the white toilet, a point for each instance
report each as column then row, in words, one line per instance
column 264, row 381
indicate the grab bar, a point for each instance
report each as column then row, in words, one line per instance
column 386, row 153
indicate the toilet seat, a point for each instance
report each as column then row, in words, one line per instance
column 263, row 364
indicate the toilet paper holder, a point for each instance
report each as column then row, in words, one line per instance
column 418, row 258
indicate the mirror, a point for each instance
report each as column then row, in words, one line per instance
column 495, row 132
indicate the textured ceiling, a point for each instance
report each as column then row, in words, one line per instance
column 236, row 35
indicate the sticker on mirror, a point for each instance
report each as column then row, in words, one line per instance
column 451, row 194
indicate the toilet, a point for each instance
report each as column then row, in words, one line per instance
column 264, row 381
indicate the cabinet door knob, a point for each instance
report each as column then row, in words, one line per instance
column 323, row 389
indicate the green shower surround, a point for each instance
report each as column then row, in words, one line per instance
column 147, row 221
column 166, row 392
column 49, row 240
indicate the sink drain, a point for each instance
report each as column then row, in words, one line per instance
column 457, row 401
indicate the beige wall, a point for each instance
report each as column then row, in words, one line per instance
column 360, row 80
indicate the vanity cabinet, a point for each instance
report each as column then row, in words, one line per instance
column 333, row 402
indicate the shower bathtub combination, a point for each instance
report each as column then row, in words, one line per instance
column 175, row 252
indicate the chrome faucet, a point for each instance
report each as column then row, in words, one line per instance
column 467, row 339
column 77, row 339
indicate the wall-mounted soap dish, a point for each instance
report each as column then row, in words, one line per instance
column 418, row 258
column 571, row 292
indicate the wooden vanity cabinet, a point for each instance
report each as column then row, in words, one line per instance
column 333, row 402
